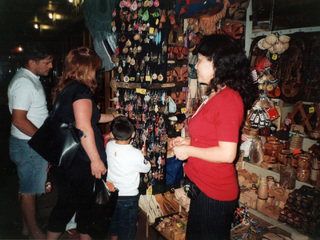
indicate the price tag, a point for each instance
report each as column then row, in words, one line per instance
column 274, row 56
column 149, row 190
column 132, row 79
column 148, row 78
column 151, row 30
column 311, row 109
column 157, row 21
column 183, row 110
column 141, row 91
column 180, row 38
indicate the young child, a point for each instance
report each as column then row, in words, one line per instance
column 125, row 163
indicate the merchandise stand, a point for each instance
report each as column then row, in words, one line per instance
column 154, row 83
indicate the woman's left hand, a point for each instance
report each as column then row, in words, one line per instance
column 98, row 169
column 180, row 152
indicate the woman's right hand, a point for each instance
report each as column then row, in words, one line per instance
column 179, row 141
column 98, row 168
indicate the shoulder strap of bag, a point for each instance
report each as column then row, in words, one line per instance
column 57, row 102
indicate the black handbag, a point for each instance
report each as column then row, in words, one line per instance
column 103, row 208
column 57, row 142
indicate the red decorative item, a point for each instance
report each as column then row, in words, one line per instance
column 263, row 65
column 48, row 187
column 181, row 52
column 180, row 73
column 178, row 97
column 272, row 113
column 169, row 76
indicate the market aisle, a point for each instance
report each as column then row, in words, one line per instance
column 10, row 215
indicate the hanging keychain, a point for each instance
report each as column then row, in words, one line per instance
column 48, row 186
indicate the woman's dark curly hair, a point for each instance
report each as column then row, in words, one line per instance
column 232, row 68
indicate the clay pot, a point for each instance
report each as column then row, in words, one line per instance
column 315, row 162
column 315, row 176
column 304, row 161
column 263, row 189
column 272, row 148
column 270, row 200
column 296, row 142
column 260, row 203
column 303, row 175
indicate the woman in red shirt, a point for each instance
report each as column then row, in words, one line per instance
column 214, row 134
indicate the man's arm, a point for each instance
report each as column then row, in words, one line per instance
column 20, row 120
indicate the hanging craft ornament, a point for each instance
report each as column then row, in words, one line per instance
column 154, row 76
column 134, row 6
column 128, row 43
column 146, row 3
column 126, row 78
column 160, row 77
column 122, row 4
column 145, row 16
column 114, row 13
column 132, row 61
column 156, row 3
column 128, row 3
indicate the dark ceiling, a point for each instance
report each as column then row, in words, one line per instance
column 17, row 19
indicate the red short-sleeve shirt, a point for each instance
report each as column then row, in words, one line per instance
column 218, row 120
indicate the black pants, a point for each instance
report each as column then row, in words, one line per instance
column 75, row 195
column 209, row 218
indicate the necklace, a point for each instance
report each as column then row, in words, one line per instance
column 211, row 95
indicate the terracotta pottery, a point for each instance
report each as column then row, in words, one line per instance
column 315, row 176
column 303, row 175
column 288, row 175
column 263, row 189
column 260, row 203
column 304, row 161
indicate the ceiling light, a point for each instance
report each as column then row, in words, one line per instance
column 70, row 1
column 50, row 15
column 36, row 26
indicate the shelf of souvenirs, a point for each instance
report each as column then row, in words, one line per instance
column 253, row 213
column 273, row 203
column 264, row 173
column 145, row 85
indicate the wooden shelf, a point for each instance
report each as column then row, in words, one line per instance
column 261, row 172
column 133, row 85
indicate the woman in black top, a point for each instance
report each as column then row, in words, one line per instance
column 75, row 184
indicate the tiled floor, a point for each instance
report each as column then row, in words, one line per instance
column 10, row 215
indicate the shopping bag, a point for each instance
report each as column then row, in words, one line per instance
column 103, row 208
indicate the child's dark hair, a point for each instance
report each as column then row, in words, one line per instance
column 122, row 128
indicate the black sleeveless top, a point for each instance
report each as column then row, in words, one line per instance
column 73, row 92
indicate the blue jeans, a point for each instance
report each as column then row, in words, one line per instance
column 31, row 167
column 124, row 220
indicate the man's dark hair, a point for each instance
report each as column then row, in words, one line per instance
column 122, row 128
column 34, row 51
